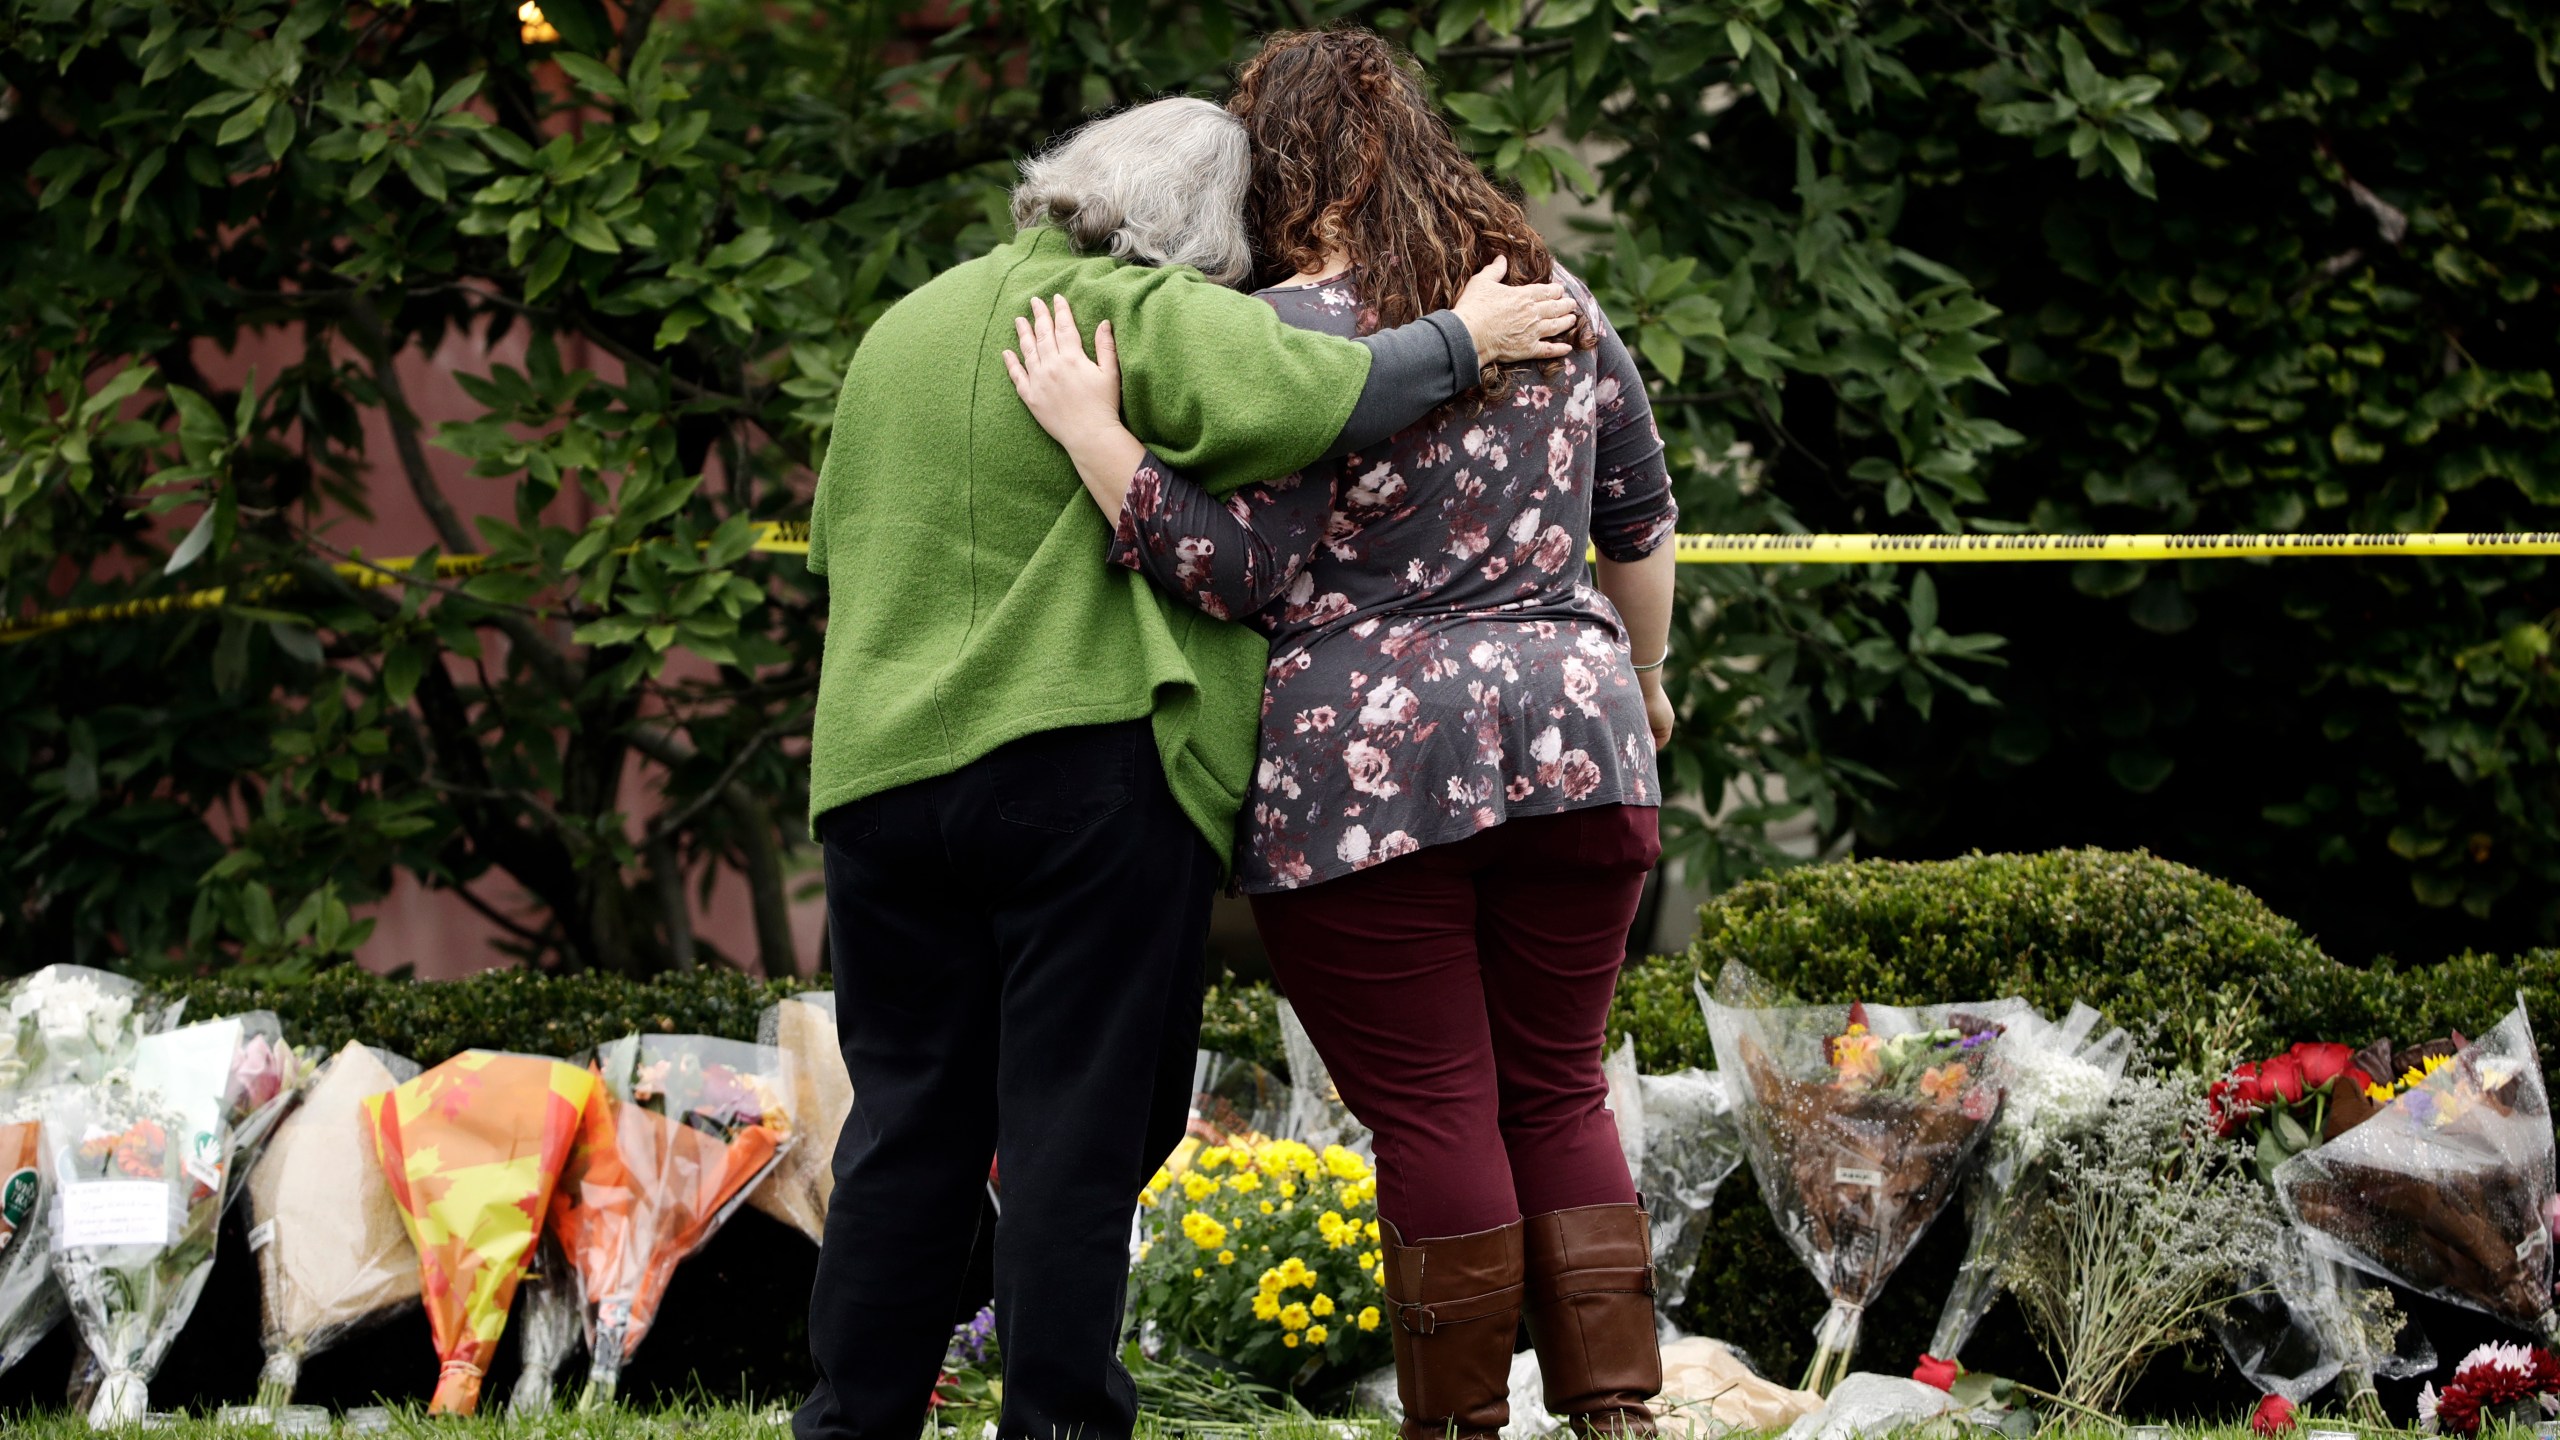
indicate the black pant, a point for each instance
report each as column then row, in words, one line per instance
column 1017, row 950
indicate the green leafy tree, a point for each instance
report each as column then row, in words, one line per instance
column 689, row 220
column 2340, row 312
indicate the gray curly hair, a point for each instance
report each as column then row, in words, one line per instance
column 1157, row 184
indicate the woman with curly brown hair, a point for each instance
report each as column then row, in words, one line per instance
column 1454, row 807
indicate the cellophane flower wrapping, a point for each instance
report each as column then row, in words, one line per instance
column 333, row 1252
column 64, row 1025
column 2445, row 1189
column 2056, row 1078
column 70, row 1025
column 691, row 1124
column 1856, row 1149
column 472, row 1150
column 549, row 1328
column 1317, row 1115
column 2308, row 1321
column 1682, row 1140
column 138, row 1204
column 797, row 1189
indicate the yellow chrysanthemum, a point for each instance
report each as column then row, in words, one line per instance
column 1212, row 1158
column 1342, row 1164
column 1316, row 1334
column 1294, row 1317
column 1287, row 1190
column 1226, row 1257
column 1244, row 1182
column 1320, row 1306
column 1266, row 1307
column 1203, row 1231
column 1197, row 1187
column 1289, row 1340
column 1379, row 1275
column 1372, row 1228
column 1163, row 1178
column 1369, row 1318
column 1267, row 1207
column 1197, row 1272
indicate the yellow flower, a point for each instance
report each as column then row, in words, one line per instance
column 1273, row 1282
column 1226, row 1257
column 1197, row 1187
column 1197, row 1272
column 1289, row 1340
column 1372, row 1228
column 1147, row 1198
column 1244, row 1182
column 1266, row 1306
column 1284, row 1205
column 1213, row 1157
column 1163, row 1178
column 1379, row 1275
column 1144, row 1247
column 1287, row 1190
column 1316, row 1334
column 1294, row 1317
column 2378, row 1094
column 1266, row 1207
column 1369, row 1318
column 2418, row 1074
column 1321, row 1306
column 1203, row 1231
column 1342, row 1164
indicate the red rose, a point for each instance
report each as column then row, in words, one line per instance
column 2273, row 1416
column 2323, row 1063
column 2235, row 1099
column 2283, row 1080
column 1933, row 1371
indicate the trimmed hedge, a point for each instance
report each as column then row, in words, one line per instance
column 2157, row 946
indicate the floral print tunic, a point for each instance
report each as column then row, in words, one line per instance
column 1439, row 663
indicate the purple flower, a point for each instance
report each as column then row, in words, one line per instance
column 972, row 1343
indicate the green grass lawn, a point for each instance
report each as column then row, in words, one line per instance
column 714, row 1422
column 690, row 1422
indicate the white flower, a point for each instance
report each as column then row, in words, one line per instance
column 2427, row 1409
column 1354, row 845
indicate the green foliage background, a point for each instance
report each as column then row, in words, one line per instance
column 2183, row 263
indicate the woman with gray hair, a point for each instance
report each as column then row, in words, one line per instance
column 1026, row 762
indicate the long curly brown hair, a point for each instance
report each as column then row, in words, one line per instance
column 1349, row 153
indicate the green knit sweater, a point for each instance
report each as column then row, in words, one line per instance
column 969, row 601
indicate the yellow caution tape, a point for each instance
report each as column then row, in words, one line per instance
column 791, row 537
column 1932, row 549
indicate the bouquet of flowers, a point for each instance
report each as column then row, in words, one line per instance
column 796, row 1190
column 65, row 1025
column 472, row 1150
column 2512, row 1383
column 1859, row 1126
column 1682, row 1141
column 1266, row 1255
column 2445, row 1189
column 138, row 1201
column 2310, row 1321
column 2058, row 1080
column 691, row 1124
column 333, row 1254
column 70, row 1025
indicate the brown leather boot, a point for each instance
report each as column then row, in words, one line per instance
column 1591, row 1317
column 1455, row 1306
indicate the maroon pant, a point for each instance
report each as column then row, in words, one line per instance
column 1460, row 995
